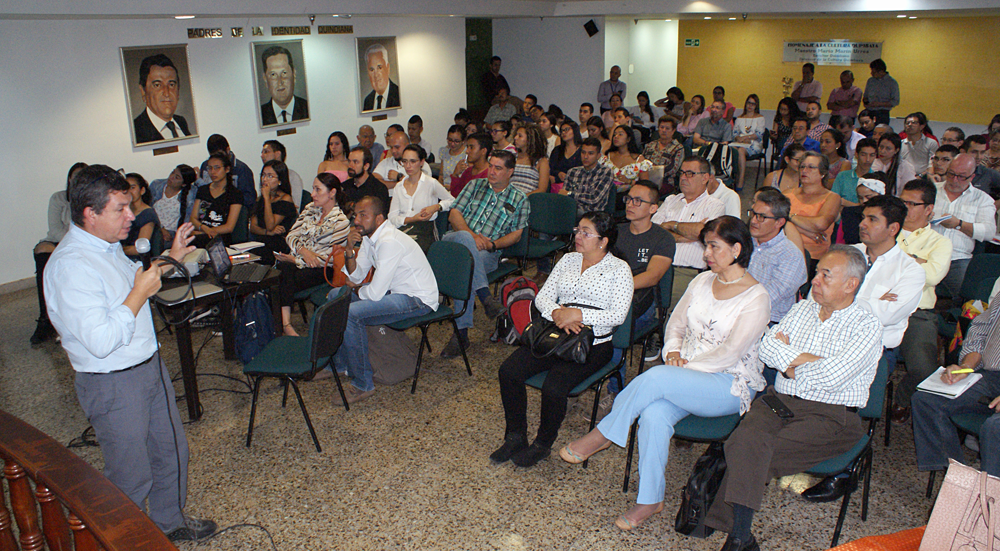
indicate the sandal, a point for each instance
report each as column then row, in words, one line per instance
column 571, row 456
column 627, row 525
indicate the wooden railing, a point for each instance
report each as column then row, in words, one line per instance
column 99, row 515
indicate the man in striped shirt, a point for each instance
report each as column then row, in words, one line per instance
column 827, row 350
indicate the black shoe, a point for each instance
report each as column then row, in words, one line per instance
column 452, row 350
column 736, row 544
column 830, row 488
column 512, row 444
column 43, row 332
column 493, row 307
column 193, row 530
column 530, row 455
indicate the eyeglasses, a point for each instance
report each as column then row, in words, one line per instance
column 759, row 216
column 409, row 161
column 268, row 176
column 637, row 201
column 810, row 167
column 689, row 173
column 911, row 204
column 496, row 130
column 951, row 173
column 454, row 141
column 585, row 233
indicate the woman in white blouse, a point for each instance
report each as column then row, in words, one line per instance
column 711, row 367
column 748, row 134
column 418, row 199
column 591, row 276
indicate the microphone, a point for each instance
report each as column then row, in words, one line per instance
column 142, row 247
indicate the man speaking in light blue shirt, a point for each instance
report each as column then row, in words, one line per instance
column 98, row 301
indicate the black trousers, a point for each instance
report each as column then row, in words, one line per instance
column 563, row 376
column 40, row 260
column 295, row 279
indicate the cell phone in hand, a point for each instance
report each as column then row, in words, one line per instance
column 778, row 407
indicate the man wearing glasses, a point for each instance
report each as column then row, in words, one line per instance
column 776, row 262
column 684, row 215
column 971, row 217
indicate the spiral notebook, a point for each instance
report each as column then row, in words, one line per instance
column 935, row 385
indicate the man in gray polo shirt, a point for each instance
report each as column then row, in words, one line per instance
column 714, row 129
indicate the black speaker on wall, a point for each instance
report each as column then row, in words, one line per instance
column 590, row 27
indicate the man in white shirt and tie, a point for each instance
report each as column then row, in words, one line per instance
column 403, row 286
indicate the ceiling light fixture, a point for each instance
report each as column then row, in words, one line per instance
column 183, row 17
column 732, row 19
column 913, row 17
column 708, row 17
column 903, row 16
column 668, row 20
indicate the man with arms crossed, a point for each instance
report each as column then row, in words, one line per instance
column 98, row 301
column 403, row 287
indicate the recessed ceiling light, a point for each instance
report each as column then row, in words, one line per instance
column 334, row 15
column 183, row 17
column 707, row 17
column 668, row 20
column 900, row 16
column 913, row 17
column 732, row 19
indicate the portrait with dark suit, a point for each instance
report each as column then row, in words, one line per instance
column 158, row 93
column 280, row 82
column 378, row 74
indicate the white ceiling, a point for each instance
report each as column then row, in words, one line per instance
column 132, row 9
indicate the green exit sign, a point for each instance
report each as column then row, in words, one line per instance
column 692, row 42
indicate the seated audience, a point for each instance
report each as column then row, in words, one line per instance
column 814, row 208
column 787, row 175
column 851, row 136
column 800, row 135
column 566, row 155
column 487, row 217
column 335, row 156
column 714, row 129
column 710, row 365
column 684, row 215
column 169, row 195
column 586, row 111
column 971, row 217
column 831, row 144
column 273, row 150
column 59, row 220
column 361, row 183
column 846, row 182
column 790, row 231
column 816, row 126
column 845, row 100
column 786, row 113
column 932, row 251
column 608, row 116
column 643, row 114
column 452, row 153
column 591, row 276
column 694, row 112
column 418, row 200
column 940, row 162
column 366, row 138
column 918, row 143
column 597, row 130
column 241, row 175
column 881, row 130
column 827, row 349
column 145, row 222
column 549, row 125
column 477, row 149
column 403, row 286
column 321, row 227
column 953, row 136
column 748, row 135
column 673, row 104
column 414, row 129
column 590, row 183
column 866, row 123
column 871, row 185
column 503, row 108
column 776, row 262
column 391, row 170
column 623, row 118
column 535, row 114
column 531, row 173
column 501, row 131
column 530, row 101
column 217, row 205
column 667, row 152
column 985, row 179
column 934, row 433
column 624, row 158
column 807, row 90
column 274, row 212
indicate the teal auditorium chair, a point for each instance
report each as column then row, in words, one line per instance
column 551, row 214
column 294, row 359
column 241, row 233
column 304, row 201
column 620, row 341
column 969, row 423
column 452, row 265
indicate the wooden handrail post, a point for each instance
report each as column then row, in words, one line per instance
column 7, row 542
column 54, row 524
column 23, row 504
column 82, row 537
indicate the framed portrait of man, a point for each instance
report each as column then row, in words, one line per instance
column 280, row 82
column 378, row 74
column 158, row 93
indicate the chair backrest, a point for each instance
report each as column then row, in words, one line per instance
column 241, row 233
column 609, row 207
column 552, row 213
column 327, row 326
column 305, row 200
column 876, row 392
column 452, row 265
column 980, row 276
column 665, row 289
column 622, row 337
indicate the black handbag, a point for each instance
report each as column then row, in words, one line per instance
column 545, row 339
column 699, row 493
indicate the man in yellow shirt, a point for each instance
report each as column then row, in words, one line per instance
column 933, row 252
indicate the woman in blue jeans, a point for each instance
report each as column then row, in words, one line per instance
column 710, row 365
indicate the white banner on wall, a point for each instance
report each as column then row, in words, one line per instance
column 832, row 52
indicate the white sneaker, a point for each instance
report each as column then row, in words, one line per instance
column 603, row 408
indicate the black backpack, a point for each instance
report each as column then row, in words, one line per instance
column 254, row 325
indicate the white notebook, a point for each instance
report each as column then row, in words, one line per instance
column 935, row 385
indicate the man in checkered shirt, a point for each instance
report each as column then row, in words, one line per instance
column 827, row 349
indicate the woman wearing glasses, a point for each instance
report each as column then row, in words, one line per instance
column 274, row 213
column 418, row 199
column 500, row 132
column 710, row 365
column 590, row 276
column 814, row 208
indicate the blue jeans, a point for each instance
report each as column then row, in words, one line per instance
column 936, row 437
column 352, row 356
column 663, row 396
column 484, row 262
column 952, row 283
